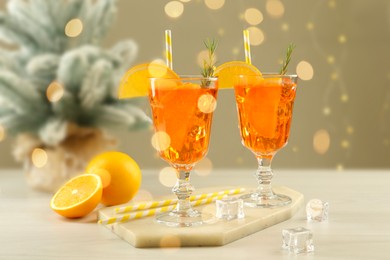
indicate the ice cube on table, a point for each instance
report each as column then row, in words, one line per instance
column 298, row 240
column 229, row 208
column 317, row 210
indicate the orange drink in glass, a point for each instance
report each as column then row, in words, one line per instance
column 265, row 106
column 182, row 111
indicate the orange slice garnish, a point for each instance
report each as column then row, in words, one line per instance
column 135, row 82
column 227, row 72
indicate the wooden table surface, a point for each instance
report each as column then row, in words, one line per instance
column 358, row 225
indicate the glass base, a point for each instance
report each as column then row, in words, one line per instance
column 255, row 200
column 183, row 219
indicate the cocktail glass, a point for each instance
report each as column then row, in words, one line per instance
column 182, row 111
column 265, row 106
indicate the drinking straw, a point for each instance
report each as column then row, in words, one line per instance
column 162, row 203
column 168, row 48
column 151, row 212
column 247, row 47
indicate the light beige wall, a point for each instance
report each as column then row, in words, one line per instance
column 349, row 97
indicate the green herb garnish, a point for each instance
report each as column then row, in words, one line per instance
column 209, row 64
column 289, row 51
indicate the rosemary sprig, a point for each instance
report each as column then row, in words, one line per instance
column 289, row 51
column 209, row 64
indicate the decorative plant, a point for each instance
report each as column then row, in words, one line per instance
column 45, row 54
column 51, row 83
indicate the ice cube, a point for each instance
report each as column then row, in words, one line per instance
column 298, row 240
column 229, row 208
column 317, row 210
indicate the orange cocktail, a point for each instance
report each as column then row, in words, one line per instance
column 265, row 110
column 182, row 111
column 264, row 106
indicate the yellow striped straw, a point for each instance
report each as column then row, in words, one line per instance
column 247, row 47
column 163, row 203
column 168, row 48
column 151, row 212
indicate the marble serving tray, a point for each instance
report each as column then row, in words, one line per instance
column 145, row 232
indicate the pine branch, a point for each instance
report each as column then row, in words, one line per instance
column 123, row 54
column 19, row 94
column 96, row 84
column 44, row 66
column 22, row 18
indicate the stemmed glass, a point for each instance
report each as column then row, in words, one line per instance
column 182, row 111
column 265, row 106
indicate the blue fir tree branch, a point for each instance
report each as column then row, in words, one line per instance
column 96, row 84
column 89, row 74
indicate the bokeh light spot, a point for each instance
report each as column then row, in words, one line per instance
column 295, row 149
column 305, row 70
column 321, row 141
column 330, row 59
column 340, row 167
column 157, row 71
column 167, row 176
column 202, row 55
column 161, row 141
column 285, row 27
column 236, row 51
column 350, row 130
column 253, row 16
column 214, row 4
column 185, row 1
column 54, row 92
column 2, row 133
column 345, row 144
column 334, row 76
column 256, row 36
column 170, row 241
column 221, row 32
column 174, row 9
column 326, row 111
column 204, row 167
column 207, row 103
column 342, row 38
column 39, row 157
column 332, row 4
column 142, row 196
column 344, row 98
column 310, row 26
column 275, row 8
column 74, row 28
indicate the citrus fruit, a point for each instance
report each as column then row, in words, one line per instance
column 135, row 82
column 124, row 176
column 78, row 197
column 228, row 70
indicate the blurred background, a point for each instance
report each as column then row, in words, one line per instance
column 342, row 110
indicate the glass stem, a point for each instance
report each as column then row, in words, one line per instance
column 264, row 176
column 183, row 190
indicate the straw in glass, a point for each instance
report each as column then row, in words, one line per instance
column 247, row 47
column 168, row 48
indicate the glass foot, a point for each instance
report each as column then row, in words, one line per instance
column 187, row 219
column 255, row 200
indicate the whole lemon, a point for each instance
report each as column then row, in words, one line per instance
column 123, row 180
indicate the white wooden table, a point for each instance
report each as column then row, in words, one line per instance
column 358, row 226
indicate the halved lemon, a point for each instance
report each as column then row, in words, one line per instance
column 78, row 197
column 135, row 82
column 228, row 70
